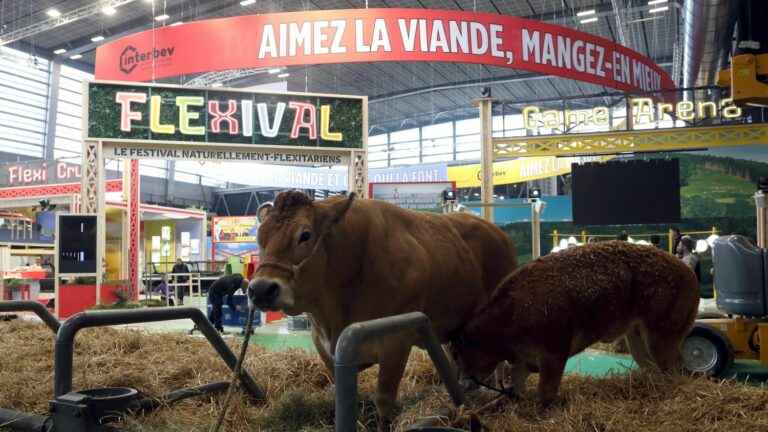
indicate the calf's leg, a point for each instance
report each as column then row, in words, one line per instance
column 665, row 349
column 638, row 347
column 551, row 368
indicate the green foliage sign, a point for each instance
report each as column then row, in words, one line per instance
column 161, row 113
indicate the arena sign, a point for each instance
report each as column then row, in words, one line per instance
column 377, row 35
column 645, row 111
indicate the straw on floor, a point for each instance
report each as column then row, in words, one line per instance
column 300, row 396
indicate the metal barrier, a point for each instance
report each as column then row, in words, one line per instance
column 72, row 410
column 65, row 340
column 32, row 306
column 347, row 360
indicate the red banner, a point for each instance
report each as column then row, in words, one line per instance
column 376, row 35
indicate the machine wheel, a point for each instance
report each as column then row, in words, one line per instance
column 706, row 351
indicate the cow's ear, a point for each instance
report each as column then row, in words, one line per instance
column 333, row 213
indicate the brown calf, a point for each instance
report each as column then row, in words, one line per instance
column 558, row 305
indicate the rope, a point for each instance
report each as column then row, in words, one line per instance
column 236, row 371
column 508, row 392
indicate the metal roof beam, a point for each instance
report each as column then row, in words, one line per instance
column 63, row 19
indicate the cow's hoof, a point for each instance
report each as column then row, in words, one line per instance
column 384, row 425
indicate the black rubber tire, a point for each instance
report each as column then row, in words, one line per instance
column 712, row 345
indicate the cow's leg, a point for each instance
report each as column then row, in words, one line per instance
column 391, row 369
column 551, row 368
column 518, row 374
column 323, row 348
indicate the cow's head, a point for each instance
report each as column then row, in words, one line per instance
column 291, row 235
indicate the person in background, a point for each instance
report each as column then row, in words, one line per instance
column 180, row 267
column 162, row 288
column 623, row 236
column 656, row 241
column 686, row 251
column 225, row 286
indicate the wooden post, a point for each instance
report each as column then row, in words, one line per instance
column 486, row 156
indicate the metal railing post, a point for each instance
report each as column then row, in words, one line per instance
column 31, row 306
column 347, row 360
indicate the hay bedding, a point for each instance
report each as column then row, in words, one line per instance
column 300, row 397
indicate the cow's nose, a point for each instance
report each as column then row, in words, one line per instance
column 263, row 293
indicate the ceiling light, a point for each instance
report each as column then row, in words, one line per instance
column 98, row 38
column 659, row 9
column 655, row 2
column 588, row 20
column 76, row 57
column 217, row 84
column 162, row 17
column 53, row 13
column 284, row 75
column 274, row 70
column 586, row 12
column 59, row 51
column 108, row 10
column 247, row 2
column 177, row 23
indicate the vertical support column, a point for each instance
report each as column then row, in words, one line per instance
column 486, row 156
column 358, row 173
column 53, row 109
column 358, row 160
column 536, row 209
column 134, row 225
column 92, row 202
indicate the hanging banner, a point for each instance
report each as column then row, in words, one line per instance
column 377, row 35
column 518, row 170
column 38, row 172
column 413, row 173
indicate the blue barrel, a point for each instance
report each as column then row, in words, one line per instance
column 238, row 318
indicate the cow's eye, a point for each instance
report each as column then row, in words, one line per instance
column 305, row 236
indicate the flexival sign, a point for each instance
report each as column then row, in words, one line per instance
column 377, row 35
column 170, row 122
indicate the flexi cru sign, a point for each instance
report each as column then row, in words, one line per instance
column 377, row 35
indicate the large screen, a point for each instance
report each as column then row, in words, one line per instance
column 626, row 192
column 77, row 244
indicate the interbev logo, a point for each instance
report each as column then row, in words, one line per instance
column 130, row 58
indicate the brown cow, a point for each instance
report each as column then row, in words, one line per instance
column 343, row 260
column 558, row 305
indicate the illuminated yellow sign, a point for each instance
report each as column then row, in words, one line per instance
column 518, row 170
column 644, row 111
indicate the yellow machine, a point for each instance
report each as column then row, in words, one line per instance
column 715, row 342
column 746, row 79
